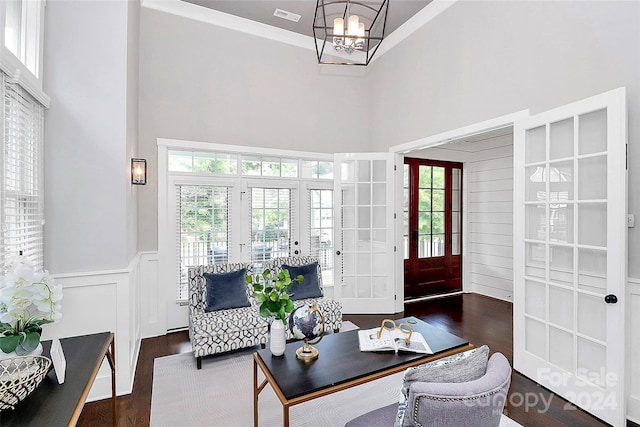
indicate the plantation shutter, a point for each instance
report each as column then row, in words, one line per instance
column 21, row 188
column 203, row 227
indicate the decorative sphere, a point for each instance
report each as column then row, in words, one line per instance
column 305, row 323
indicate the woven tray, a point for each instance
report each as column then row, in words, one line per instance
column 19, row 376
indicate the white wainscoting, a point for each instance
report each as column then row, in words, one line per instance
column 152, row 306
column 489, row 214
column 633, row 338
column 104, row 301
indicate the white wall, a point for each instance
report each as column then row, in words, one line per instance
column 91, row 57
column 201, row 82
column 489, row 213
column 484, row 59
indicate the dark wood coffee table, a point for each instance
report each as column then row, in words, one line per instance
column 341, row 365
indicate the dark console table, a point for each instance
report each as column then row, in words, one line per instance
column 53, row 404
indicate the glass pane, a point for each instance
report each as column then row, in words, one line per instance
column 535, row 186
column 561, row 265
column 348, row 286
column 561, row 348
column 592, row 132
column 348, row 217
column 534, row 263
column 380, row 194
column 308, row 169
column 456, row 179
column 364, row 264
column 180, row 161
column 561, row 139
column 437, row 223
column 363, row 287
column 325, row 170
column 424, row 222
column 379, row 171
column 348, row 242
column 455, row 200
column 13, row 25
column 592, row 362
column 438, row 177
column 289, row 168
column 424, row 176
column 561, row 223
column 592, row 271
column 424, row 246
column 251, row 166
column 535, row 338
column 204, row 162
column 364, row 217
column 592, row 220
column 593, row 178
column 455, row 243
column 424, row 200
column 348, row 195
column 405, row 175
column 561, row 306
column 535, row 145
column 535, row 297
column 364, row 194
column 437, row 200
column 378, row 287
column 535, row 222
column 226, row 164
column 437, row 245
column 364, row 170
column 591, row 312
column 455, row 222
column 379, row 217
column 561, row 181
column 347, row 171
column 271, row 167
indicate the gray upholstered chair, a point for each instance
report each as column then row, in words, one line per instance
column 477, row 403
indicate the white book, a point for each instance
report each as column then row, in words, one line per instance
column 392, row 340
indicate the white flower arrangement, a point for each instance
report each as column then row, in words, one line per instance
column 28, row 300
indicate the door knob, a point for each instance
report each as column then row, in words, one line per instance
column 337, row 252
column 611, row 299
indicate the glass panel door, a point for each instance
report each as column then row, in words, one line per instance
column 570, row 252
column 365, row 254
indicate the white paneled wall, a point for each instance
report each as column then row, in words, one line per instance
column 489, row 210
column 103, row 301
column 633, row 346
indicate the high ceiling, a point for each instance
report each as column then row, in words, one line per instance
column 263, row 11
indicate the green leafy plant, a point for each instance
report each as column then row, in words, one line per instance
column 272, row 292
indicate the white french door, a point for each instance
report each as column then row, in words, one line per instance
column 570, row 252
column 364, row 222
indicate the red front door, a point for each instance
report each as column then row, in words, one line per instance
column 433, row 227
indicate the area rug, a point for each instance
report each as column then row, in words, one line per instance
column 221, row 394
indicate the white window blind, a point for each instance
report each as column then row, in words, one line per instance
column 21, row 189
column 272, row 221
column 203, row 229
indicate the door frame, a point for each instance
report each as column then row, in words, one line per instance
column 433, row 141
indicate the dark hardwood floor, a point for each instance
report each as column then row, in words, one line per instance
column 478, row 319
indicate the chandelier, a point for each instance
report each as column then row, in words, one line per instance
column 349, row 32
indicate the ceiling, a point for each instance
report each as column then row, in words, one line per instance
column 262, row 11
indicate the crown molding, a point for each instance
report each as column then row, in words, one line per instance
column 231, row 22
column 243, row 25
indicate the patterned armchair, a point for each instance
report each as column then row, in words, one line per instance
column 223, row 330
column 331, row 310
column 231, row 329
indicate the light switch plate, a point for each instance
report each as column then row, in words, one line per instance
column 631, row 220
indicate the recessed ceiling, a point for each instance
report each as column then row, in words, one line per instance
column 262, row 11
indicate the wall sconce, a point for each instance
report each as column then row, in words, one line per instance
column 138, row 171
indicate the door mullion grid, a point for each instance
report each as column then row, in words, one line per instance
column 576, row 207
column 547, row 263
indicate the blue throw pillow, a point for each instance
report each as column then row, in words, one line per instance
column 226, row 290
column 309, row 288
